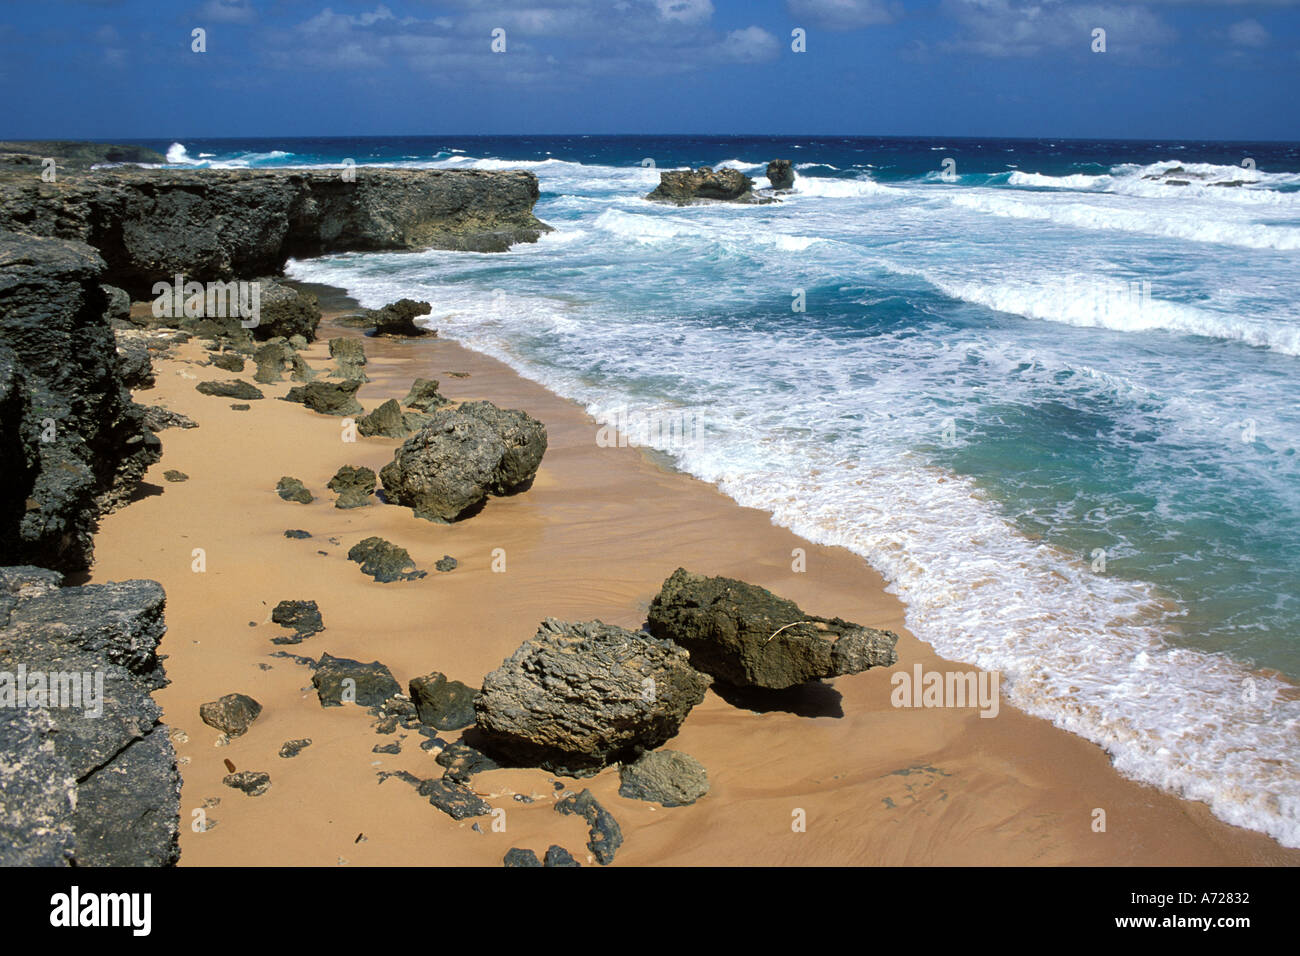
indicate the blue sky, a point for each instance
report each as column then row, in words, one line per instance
column 1190, row 69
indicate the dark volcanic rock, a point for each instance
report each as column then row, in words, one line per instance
column 285, row 311
column 222, row 224
column 297, row 533
column 252, row 782
column 441, row 703
column 230, row 362
column 780, row 174
column 302, row 617
column 667, row 777
column 158, row 418
column 384, row 561
column 232, row 714
column 339, row 680
column 446, row 563
column 328, row 398
column 398, row 318
column 354, row 487
column 559, row 856
column 291, row 489
column 74, row 444
column 291, row 748
column 81, row 154
column 91, row 779
column 578, row 697
column 604, row 835
column 747, row 636
column 424, row 396
column 460, row 456
column 236, row 389
column 463, row 761
column 454, row 799
column 134, row 364
column 389, row 421
column 515, row 857
column 685, row 186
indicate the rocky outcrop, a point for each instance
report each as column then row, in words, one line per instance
column 398, row 318
column 780, row 174
column 748, row 637
column 459, row 456
column 151, row 224
column 580, row 696
column 89, row 774
column 75, row 445
column 686, row 186
column 76, row 153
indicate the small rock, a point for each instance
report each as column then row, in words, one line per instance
column 240, row 408
column 232, row 714
column 389, row 421
column 441, row 703
column 297, row 533
column 516, row 857
column 252, row 782
column 393, row 748
column 159, row 418
column 384, row 561
column 229, row 361
column 236, row 389
column 174, row 475
column 291, row 489
column 291, row 748
column 368, row 684
column 327, row 398
column 454, row 799
column 424, row 396
column 302, row 616
column 353, row 485
column 667, row 777
column 559, row 856
column 604, row 835
column 463, row 761
column 447, row 563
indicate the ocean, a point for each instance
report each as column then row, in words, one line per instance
column 1048, row 388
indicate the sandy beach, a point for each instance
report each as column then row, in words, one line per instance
column 593, row 538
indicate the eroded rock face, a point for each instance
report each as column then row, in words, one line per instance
column 685, row 186
column 580, row 696
column 460, row 456
column 748, row 637
column 90, row 780
column 151, row 224
column 75, row 445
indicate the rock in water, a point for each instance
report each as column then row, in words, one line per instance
column 578, row 697
column 667, row 777
column 748, row 637
column 780, row 174
column 353, row 485
column 327, row 398
column 339, row 680
column 236, row 389
column 460, row 456
column 232, row 714
column 441, row 703
column 302, row 616
column 384, row 561
column 604, row 835
column 424, row 396
column 398, row 318
column 686, row 186
column 291, row 489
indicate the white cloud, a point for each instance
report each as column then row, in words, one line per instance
column 227, row 11
column 845, row 14
column 685, row 11
column 1249, row 32
column 750, row 45
column 1006, row 28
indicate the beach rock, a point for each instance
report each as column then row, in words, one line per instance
column 134, row 364
column 174, row 475
column 94, row 783
column 327, row 398
column 446, row 563
column 211, row 224
column 236, row 389
column 462, row 761
column 384, row 561
column 232, row 714
column 291, row 489
column 780, row 174
column 297, row 533
column 291, row 748
column 604, row 834
column 158, row 418
column 559, row 856
column 398, row 318
column 232, row 362
column 516, row 857
column 252, row 782
column 74, row 444
column 339, row 680
column 285, row 311
column 391, row 748
column 350, row 359
column 748, row 637
column 454, row 799
column 686, row 186
column 302, row 617
column 424, row 396
column 354, row 486
column 667, row 777
column 581, row 696
column 441, row 703
column 459, row 456
column 240, row 407
column 276, row 359
column 389, row 421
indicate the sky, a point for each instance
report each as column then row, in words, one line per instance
column 1170, row 69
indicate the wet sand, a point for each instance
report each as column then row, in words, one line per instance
column 594, row 537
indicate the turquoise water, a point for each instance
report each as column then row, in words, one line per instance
column 1053, row 400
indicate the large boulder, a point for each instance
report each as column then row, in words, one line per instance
column 746, row 636
column 398, row 318
column 89, row 775
column 460, row 456
column 285, row 311
column 686, row 186
column 580, row 696
column 780, row 174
